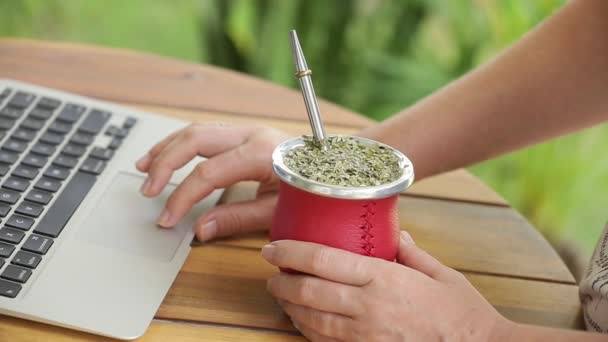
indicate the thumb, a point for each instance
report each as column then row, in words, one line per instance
column 236, row 218
column 412, row 256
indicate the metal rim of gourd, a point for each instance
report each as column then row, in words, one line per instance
column 363, row 192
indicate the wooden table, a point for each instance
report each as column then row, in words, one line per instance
column 220, row 295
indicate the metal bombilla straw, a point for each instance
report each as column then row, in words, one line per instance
column 308, row 92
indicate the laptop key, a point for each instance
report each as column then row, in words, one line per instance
column 74, row 150
column 115, row 144
column 94, row 122
column 41, row 113
column 16, row 183
column 9, row 196
column 6, row 123
column 112, row 130
column 9, row 289
column 117, row 132
column 130, row 122
column 52, row 138
column 20, row 222
column 21, row 99
column 65, row 161
column 122, row 133
column 25, row 172
column 4, row 169
column 24, row 134
column 16, row 273
column 11, row 112
column 82, row 139
column 57, row 172
column 6, row 250
column 8, row 157
column 48, row 103
column 26, row 259
column 66, row 203
column 43, row 149
column 34, row 160
column 6, row 92
column 11, row 235
column 4, row 209
column 60, row 127
column 33, row 124
column 37, row 244
column 29, row 209
column 92, row 165
column 39, row 196
column 101, row 153
column 71, row 113
column 48, row 184
column 14, row 146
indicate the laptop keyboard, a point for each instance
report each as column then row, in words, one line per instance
column 47, row 154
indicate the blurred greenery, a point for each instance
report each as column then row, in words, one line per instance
column 375, row 57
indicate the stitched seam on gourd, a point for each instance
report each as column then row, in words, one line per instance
column 367, row 227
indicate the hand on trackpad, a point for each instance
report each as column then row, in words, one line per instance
column 125, row 221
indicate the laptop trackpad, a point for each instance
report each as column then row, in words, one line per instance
column 125, row 221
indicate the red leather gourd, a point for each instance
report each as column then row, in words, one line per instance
column 363, row 220
column 368, row 227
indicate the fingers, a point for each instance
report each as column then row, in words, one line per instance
column 316, row 293
column 240, row 163
column 144, row 162
column 240, row 217
column 412, row 256
column 174, row 152
column 326, row 262
column 322, row 325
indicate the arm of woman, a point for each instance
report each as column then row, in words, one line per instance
column 553, row 81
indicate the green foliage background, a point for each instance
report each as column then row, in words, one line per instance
column 375, row 57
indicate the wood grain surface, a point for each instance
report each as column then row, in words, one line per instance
column 129, row 76
column 18, row 330
column 220, row 295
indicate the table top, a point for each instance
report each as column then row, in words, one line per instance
column 220, row 295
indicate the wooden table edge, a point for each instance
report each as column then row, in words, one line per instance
column 359, row 119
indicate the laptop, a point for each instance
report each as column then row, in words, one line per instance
column 79, row 247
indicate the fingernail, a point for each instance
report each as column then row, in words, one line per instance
column 407, row 238
column 164, row 219
column 146, row 186
column 295, row 325
column 268, row 250
column 208, row 230
column 143, row 159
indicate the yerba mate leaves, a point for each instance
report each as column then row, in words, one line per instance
column 345, row 162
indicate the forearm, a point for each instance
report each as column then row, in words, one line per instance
column 553, row 81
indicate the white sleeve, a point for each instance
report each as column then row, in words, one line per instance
column 594, row 288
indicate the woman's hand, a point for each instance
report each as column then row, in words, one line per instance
column 235, row 153
column 348, row 297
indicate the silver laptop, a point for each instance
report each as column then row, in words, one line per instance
column 79, row 246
